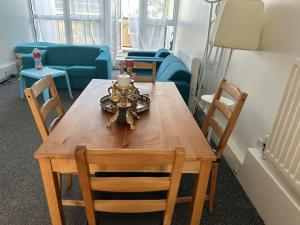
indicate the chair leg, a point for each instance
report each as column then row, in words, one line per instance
column 213, row 184
column 69, row 180
column 59, row 180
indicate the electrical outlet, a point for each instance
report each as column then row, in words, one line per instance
column 235, row 169
column 260, row 144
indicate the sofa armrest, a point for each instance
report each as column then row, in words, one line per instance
column 142, row 53
column 145, row 59
column 184, row 89
column 28, row 62
column 103, row 63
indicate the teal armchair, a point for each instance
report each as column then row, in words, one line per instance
column 171, row 69
column 163, row 53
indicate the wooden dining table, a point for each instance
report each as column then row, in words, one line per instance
column 166, row 125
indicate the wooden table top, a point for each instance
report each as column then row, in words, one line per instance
column 166, row 125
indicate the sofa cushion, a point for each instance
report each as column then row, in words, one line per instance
column 71, row 55
column 172, row 68
column 82, row 71
column 58, row 67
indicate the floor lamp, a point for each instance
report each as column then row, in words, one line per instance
column 237, row 26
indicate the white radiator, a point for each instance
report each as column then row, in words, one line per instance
column 8, row 69
column 283, row 147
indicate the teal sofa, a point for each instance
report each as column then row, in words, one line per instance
column 171, row 69
column 26, row 48
column 82, row 63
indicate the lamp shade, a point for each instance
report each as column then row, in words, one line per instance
column 238, row 24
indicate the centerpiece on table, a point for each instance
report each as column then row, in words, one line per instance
column 124, row 101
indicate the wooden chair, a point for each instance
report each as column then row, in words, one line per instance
column 142, row 65
column 126, row 160
column 223, row 133
column 41, row 113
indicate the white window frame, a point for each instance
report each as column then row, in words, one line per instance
column 68, row 19
column 103, row 20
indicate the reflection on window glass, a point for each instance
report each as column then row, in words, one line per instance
column 50, row 30
column 49, row 7
column 85, row 7
column 86, row 32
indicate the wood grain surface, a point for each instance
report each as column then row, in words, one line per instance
column 168, row 124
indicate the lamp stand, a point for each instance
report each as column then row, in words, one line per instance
column 228, row 62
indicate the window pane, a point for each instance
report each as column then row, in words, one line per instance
column 85, row 7
column 169, row 42
column 50, row 30
column 155, row 9
column 49, row 7
column 86, row 32
column 159, row 9
column 130, row 8
column 170, row 9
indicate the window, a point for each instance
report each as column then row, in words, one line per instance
column 54, row 32
column 149, row 23
column 68, row 21
column 143, row 24
column 86, row 32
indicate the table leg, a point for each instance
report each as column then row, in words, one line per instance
column 68, row 84
column 46, row 94
column 200, row 192
column 52, row 192
column 21, row 86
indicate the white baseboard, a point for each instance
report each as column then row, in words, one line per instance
column 8, row 69
column 275, row 201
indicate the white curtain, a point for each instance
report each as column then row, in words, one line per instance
column 147, row 23
column 112, row 27
column 85, row 16
column 46, row 30
column 96, row 22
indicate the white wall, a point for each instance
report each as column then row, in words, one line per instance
column 15, row 28
column 262, row 74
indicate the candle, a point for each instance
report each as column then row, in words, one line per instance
column 124, row 80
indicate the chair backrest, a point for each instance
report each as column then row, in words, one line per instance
column 129, row 160
column 231, row 115
column 138, row 65
column 41, row 113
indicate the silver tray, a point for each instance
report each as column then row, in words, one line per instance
column 143, row 104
